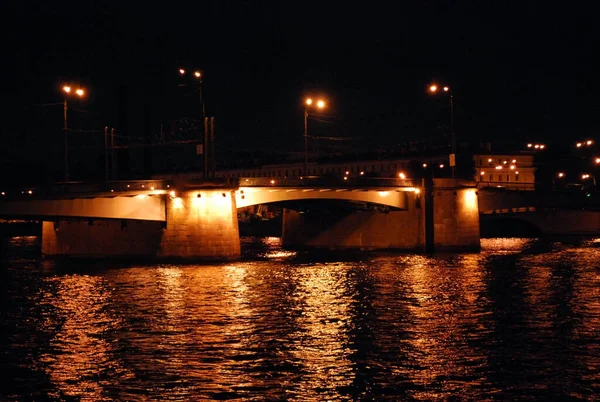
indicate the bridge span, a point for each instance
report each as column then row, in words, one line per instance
column 198, row 219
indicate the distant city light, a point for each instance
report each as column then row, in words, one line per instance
column 401, row 175
column 433, row 88
column 561, row 174
column 536, row 146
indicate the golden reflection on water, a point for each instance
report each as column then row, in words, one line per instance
column 446, row 318
column 507, row 245
column 506, row 322
column 321, row 330
column 79, row 354
column 273, row 250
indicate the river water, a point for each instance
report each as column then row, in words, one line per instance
column 518, row 321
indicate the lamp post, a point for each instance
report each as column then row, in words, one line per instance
column 433, row 88
column 587, row 176
column 197, row 75
column 67, row 90
column 320, row 104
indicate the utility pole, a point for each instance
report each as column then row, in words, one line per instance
column 66, row 142
column 205, row 146
column 212, row 147
column 106, row 175
column 306, row 141
column 453, row 135
column 113, row 155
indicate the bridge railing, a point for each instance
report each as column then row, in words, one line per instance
column 324, row 181
column 78, row 188
column 506, row 185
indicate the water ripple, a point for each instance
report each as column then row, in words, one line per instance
column 519, row 320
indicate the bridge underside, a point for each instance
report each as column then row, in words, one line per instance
column 390, row 197
column 140, row 207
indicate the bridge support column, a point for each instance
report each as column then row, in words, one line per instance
column 200, row 225
column 443, row 218
column 363, row 230
column 455, row 216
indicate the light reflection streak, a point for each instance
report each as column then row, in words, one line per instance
column 274, row 250
column 79, row 352
column 513, row 320
column 446, row 325
column 512, row 245
column 322, row 350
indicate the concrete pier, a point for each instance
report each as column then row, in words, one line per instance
column 453, row 223
column 200, row 225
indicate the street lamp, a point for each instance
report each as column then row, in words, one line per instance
column 197, row 75
column 433, row 88
column 320, row 104
column 587, row 176
column 68, row 91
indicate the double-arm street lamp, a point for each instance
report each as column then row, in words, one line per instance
column 434, row 88
column 197, row 75
column 68, row 91
column 308, row 103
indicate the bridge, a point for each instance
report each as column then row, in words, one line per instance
column 198, row 219
column 539, row 212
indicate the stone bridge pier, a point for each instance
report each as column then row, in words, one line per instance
column 200, row 225
column 442, row 216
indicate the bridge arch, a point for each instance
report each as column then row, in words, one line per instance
column 396, row 198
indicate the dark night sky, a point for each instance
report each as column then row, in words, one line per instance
column 519, row 70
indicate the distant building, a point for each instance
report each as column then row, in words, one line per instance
column 515, row 172
column 491, row 170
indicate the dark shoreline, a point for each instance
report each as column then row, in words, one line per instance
column 20, row 228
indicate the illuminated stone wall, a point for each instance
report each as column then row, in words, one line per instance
column 456, row 218
column 455, row 224
column 101, row 238
column 202, row 224
column 357, row 229
column 203, row 228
